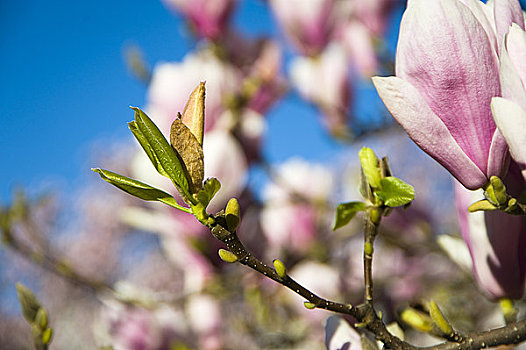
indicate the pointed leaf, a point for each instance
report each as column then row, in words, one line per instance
column 146, row 147
column 345, row 212
column 191, row 153
column 163, row 157
column 209, row 190
column 394, row 192
column 370, row 166
column 139, row 189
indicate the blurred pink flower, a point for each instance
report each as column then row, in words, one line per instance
column 307, row 23
column 135, row 328
column 325, row 81
column 357, row 40
column 286, row 222
column 172, row 83
column 447, row 71
column 496, row 241
column 209, row 18
column 510, row 110
column 208, row 328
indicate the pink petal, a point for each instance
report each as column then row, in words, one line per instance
column 511, row 121
column 340, row 336
column 516, row 47
column 424, row 127
column 444, row 52
column 506, row 13
column 510, row 81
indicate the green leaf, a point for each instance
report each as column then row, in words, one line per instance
column 160, row 152
column 370, row 166
column 210, row 188
column 394, row 192
column 139, row 189
column 345, row 212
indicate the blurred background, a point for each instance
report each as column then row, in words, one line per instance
column 289, row 104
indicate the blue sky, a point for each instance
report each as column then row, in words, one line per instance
column 65, row 84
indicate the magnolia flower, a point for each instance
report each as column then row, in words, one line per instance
column 307, row 23
column 324, row 80
column 173, row 82
column 209, row 18
column 447, row 71
column 496, row 242
column 510, row 111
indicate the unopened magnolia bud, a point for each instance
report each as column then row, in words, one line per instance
column 439, row 319
column 281, row 270
column 417, row 320
column 309, row 305
column 232, row 213
column 227, row 256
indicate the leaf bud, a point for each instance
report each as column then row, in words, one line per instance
column 28, row 302
column 227, row 256
column 370, row 167
column 439, row 320
column 309, row 305
column 281, row 270
column 41, row 319
column 232, row 213
column 416, row 319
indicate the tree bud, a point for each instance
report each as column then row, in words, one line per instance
column 232, row 213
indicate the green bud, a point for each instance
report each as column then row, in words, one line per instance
column 370, row 167
column 281, row 270
column 232, row 214
column 483, row 204
column 375, row 216
column 439, row 319
column 41, row 318
column 368, row 249
column 309, row 305
column 499, row 190
column 417, row 320
column 227, row 256
column 28, row 302
column 508, row 310
column 47, row 335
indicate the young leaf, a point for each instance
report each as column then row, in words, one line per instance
column 370, row 166
column 139, row 189
column 190, row 152
column 345, row 212
column 28, row 302
column 163, row 155
column 394, row 192
column 208, row 191
column 146, row 147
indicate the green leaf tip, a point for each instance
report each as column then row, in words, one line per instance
column 280, row 268
column 28, row 302
column 395, row 192
column 227, row 256
column 210, row 188
column 439, row 319
column 417, row 320
column 47, row 334
column 161, row 154
column 309, row 305
column 345, row 212
column 370, row 167
column 139, row 189
column 232, row 214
